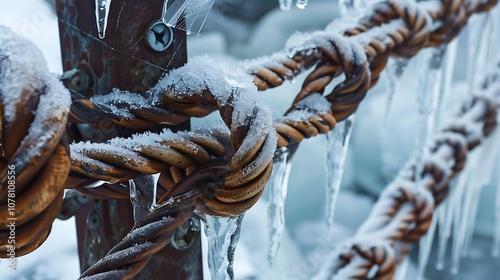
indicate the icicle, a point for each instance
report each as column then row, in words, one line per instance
column 445, row 214
column 429, row 78
column 301, row 4
column 346, row 6
column 495, row 41
column 395, row 69
column 479, row 36
column 143, row 195
column 277, row 187
column 425, row 245
column 402, row 269
column 223, row 236
column 101, row 16
column 337, row 142
column 496, row 232
column 460, row 208
column 187, row 15
column 285, row 5
column 446, row 79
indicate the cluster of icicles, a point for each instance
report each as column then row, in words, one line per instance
column 435, row 79
column 187, row 15
column 286, row 5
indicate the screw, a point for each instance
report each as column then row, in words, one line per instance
column 93, row 220
column 159, row 36
column 76, row 80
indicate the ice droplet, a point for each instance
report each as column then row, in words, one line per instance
column 277, row 187
column 337, row 142
column 101, row 16
column 301, row 4
column 285, row 5
column 223, row 236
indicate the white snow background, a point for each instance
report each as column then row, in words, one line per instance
column 373, row 158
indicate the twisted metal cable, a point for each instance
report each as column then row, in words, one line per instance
column 34, row 160
column 225, row 187
column 405, row 209
column 393, row 28
column 244, row 177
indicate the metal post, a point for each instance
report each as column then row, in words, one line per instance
column 136, row 51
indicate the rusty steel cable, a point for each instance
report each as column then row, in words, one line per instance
column 218, row 187
column 331, row 55
column 34, row 157
column 405, row 209
column 239, row 183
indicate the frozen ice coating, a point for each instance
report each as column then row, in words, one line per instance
column 121, row 101
column 350, row 47
column 313, row 104
column 277, row 188
column 142, row 232
column 88, row 147
column 101, row 16
column 18, row 69
column 143, row 195
column 337, row 143
column 223, row 236
column 274, row 60
column 202, row 73
column 52, row 106
column 187, row 15
column 225, row 81
column 22, row 66
column 380, row 32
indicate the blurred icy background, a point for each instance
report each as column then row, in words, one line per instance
column 240, row 29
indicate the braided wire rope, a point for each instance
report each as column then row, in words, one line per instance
column 405, row 209
column 34, row 156
column 361, row 54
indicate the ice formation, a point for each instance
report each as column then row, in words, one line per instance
column 222, row 235
column 187, row 15
column 395, row 69
column 337, row 144
column 143, row 195
column 101, row 16
column 277, row 188
column 429, row 73
column 302, row 4
column 22, row 67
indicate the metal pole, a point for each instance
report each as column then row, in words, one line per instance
column 136, row 51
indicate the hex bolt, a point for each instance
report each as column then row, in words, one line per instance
column 159, row 36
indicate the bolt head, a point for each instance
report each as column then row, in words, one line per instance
column 159, row 36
